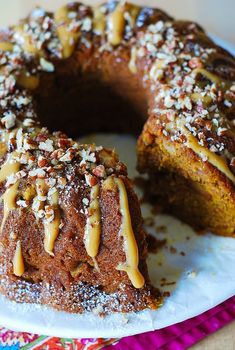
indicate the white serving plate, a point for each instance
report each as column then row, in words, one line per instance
column 204, row 277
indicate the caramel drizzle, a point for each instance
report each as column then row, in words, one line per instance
column 207, row 99
column 68, row 38
column 116, row 25
column 132, row 63
column 51, row 228
column 203, row 152
column 99, row 21
column 3, row 149
column 9, row 199
column 116, row 21
column 6, row 46
column 210, row 76
column 28, row 44
column 130, row 245
column 18, row 261
column 10, row 167
column 192, row 142
column 93, row 224
column 133, row 11
column 195, row 97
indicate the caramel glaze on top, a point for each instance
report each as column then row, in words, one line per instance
column 191, row 79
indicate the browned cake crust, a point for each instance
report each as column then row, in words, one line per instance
column 188, row 142
column 70, row 279
column 71, row 233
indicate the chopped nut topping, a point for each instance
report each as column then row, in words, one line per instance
column 46, row 65
column 47, row 145
column 9, row 119
column 182, row 84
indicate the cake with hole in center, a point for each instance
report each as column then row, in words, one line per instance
column 71, row 227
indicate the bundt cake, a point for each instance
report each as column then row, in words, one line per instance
column 71, row 229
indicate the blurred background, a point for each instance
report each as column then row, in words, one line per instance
column 217, row 16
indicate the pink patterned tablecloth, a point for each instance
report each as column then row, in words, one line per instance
column 177, row 337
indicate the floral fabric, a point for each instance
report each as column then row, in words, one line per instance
column 176, row 337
